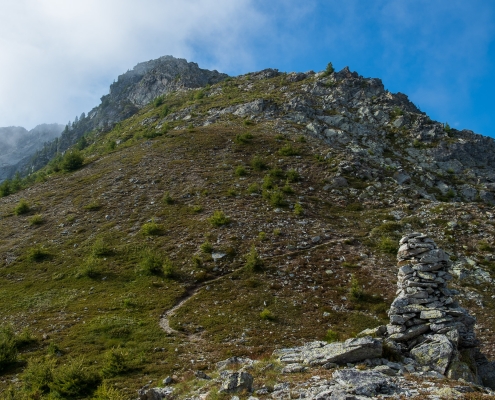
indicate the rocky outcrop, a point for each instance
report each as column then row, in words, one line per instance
column 425, row 319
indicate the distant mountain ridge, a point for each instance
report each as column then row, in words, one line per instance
column 17, row 145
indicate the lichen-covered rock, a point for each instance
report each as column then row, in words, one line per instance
column 320, row 353
column 364, row 383
column 156, row 393
column 236, row 381
column 435, row 353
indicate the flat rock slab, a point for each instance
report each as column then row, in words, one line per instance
column 319, row 353
column 364, row 383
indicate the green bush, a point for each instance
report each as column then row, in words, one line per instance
column 158, row 101
column 268, row 183
column 116, row 362
column 240, row 171
column 388, row 245
column 277, row 172
column 243, row 138
column 196, row 209
column 267, row 315
column 287, row 189
column 72, row 161
column 36, row 220
column 288, row 150
column 277, row 199
column 38, row 254
column 258, row 164
column 206, row 247
column 298, row 209
column 169, row 270
column 151, row 229
column 73, row 380
column 93, row 206
column 22, row 207
column 167, row 199
column 356, row 292
column 90, row 268
column 100, row 248
column 293, row 175
column 331, row 336
column 38, row 375
column 8, row 348
column 447, row 127
column 253, row 262
column 5, row 188
column 253, row 188
column 151, row 263
column 219, row 218
column 107, row 392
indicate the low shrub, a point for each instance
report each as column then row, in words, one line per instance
column 253, row 188
column 22, row 207
column 253, row 262
column 288, row 150
column 277, row 199
column 100, row 248
column 206, row 247
column 90, row 268
column 243, row 138
column 38, row 375
column 258, row 164
column 167, row 199
column 219, row 219
column 151, row 229
column 240, row 171
column 93, row 206
column 116, row 362
column 73, row 379
column 107, row 392
column 151, row 263
column 72, row 160
column 169, row 270
column 8, row 348
column 38, row 254
column 36, row 220
column 293, row 175
column 331, row 336
column 298, row 209
column 356, row 292
column 388, row 245
column 267, row 315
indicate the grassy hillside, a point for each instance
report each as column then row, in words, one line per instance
column 237, row 218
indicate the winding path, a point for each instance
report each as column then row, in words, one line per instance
column 165, row 317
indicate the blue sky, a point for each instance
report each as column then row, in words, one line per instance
column 59, row 57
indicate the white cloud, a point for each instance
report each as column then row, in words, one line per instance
column 59, row 57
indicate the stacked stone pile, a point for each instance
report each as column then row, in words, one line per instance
column 424, row 304
column 426, row 322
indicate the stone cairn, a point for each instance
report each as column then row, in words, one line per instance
column 425, row 321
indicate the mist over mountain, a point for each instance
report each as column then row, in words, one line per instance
column 17, row 145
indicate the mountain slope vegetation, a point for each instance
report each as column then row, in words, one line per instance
column 263, row 210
